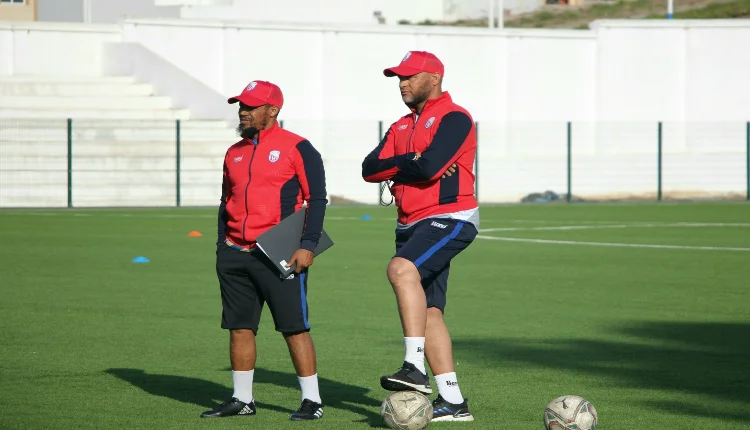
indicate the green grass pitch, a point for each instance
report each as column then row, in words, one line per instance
column 653, row 328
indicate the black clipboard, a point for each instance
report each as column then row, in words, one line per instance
column 281, row 241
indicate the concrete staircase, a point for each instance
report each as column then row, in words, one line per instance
column 83, row 97
column 123, row 144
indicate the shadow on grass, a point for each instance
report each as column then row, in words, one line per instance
column 711, row 360
column 335, row 394
column 208, row 394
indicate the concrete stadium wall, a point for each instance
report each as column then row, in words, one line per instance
column 54, row 49
column 615, row 82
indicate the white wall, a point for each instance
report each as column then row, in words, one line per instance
column 54, row 49
column 326, row 68
column 349, row 12
column 673, row 71
column 326, row 11
column 614, row 82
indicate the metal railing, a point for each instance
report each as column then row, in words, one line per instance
column 580, row 160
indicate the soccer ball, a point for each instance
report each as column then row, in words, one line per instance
column 570, row 413
column 406, row 410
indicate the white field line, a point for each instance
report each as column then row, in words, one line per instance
column 149, row 215
column 609, row 244
column 615, row 226
column 584, row 226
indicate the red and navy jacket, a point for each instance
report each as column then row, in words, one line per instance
column 444, row 133
column 267, row 181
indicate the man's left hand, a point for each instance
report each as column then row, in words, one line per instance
column 303, row 258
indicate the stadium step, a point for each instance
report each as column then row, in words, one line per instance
column 10, row 123
column 95, row 113
column 83, row 97
column 74, row 89
column 118, row 102
column 118, row 131
column 118, row 124
column 69, row 79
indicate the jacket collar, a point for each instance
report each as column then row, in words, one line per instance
column 431, row 103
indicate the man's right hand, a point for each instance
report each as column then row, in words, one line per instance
column 451, row 170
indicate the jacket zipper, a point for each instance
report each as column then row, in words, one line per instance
column 408, row 147
column 247, row 186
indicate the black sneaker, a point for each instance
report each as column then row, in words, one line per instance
column 230, row 408
column 409, row 378
column 443, row 410
column 308, row 410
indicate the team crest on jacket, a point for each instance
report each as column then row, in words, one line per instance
column 273, row 156
column 429, row 122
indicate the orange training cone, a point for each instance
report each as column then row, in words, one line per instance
column 195, row 234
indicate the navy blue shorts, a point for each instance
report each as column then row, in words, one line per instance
column 431, row 244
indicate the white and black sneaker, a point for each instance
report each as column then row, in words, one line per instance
column 442, row 410
column 231, row 407
column 308, row 410
column 408, row 378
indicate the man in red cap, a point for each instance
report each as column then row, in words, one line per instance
column 267, row 176
column 428, row 158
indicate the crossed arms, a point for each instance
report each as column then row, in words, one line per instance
column 383, row 165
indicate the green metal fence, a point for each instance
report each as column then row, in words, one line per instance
column 490, row 156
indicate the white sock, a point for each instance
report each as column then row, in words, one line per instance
column 448, row 387
column 309, row 386
column 243, row 385
column 415, row 352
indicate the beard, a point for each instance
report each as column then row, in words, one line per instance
column 417, row 98
column 246, row 133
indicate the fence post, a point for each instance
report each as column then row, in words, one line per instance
column 747, row 154
column 476, row 163
column 659, row 164
column 569, row 196
column 70, row 162
column 178, row 162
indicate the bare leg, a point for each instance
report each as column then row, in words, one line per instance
column 302, row 351
column 242, row 349
column 412, row 303
column 438, row 345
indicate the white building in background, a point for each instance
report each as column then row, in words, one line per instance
column 356, row 12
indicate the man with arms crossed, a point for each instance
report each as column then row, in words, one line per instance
column 267, row 175
column 428, row 155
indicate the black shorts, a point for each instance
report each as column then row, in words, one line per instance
column 431, row 244
column 248, row 280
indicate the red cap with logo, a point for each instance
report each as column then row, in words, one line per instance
column 259, row 93
column 416, row 62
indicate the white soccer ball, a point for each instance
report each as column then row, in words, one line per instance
column 406, row 410
column 570, row 413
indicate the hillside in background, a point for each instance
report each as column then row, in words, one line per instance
column 579, row 17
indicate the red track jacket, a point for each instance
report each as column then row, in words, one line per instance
column 268, row 181
column 445, row 134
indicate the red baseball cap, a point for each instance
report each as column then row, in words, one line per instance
column 416, row 62
column 259, row 93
